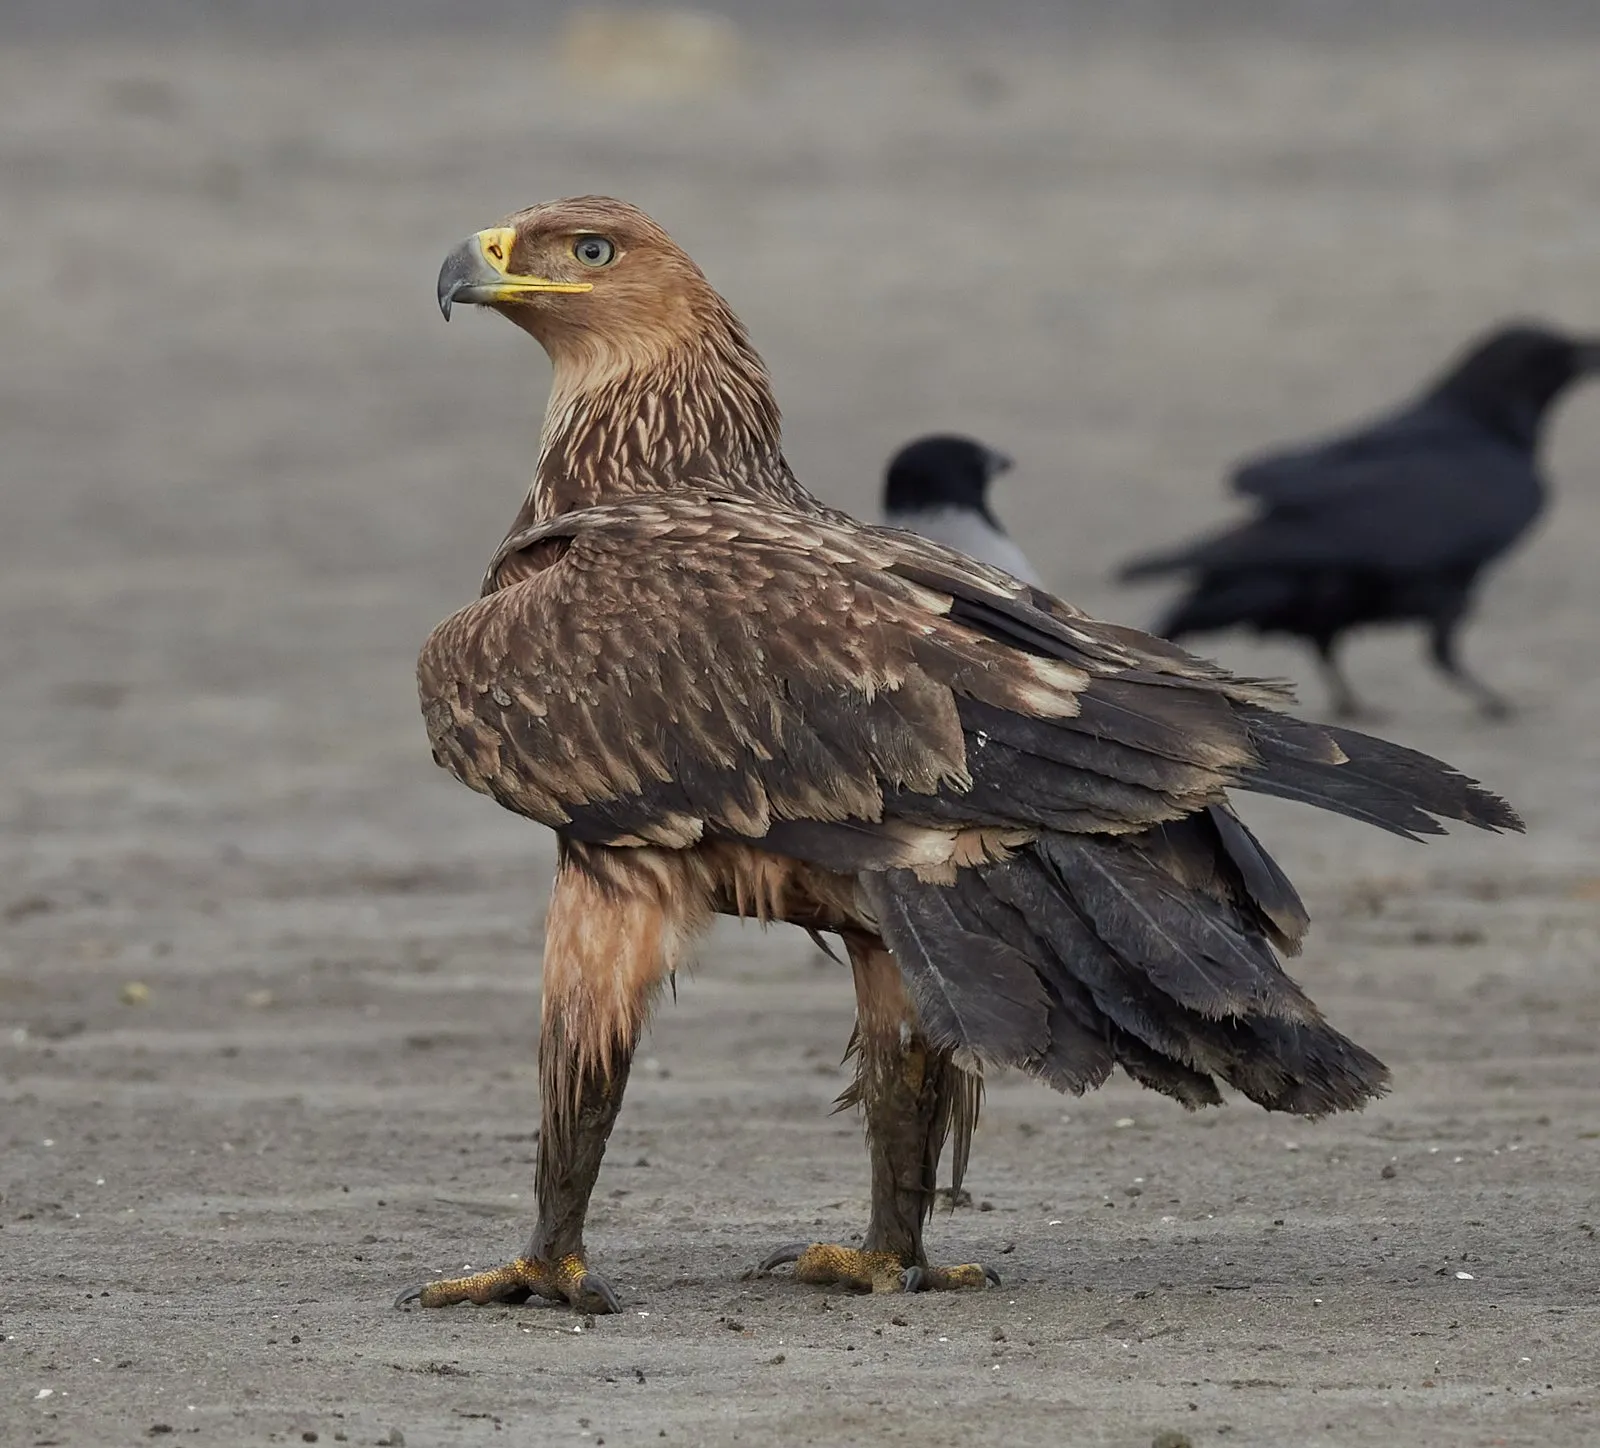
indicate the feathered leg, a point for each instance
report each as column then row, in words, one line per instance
column 618, row 920
column 914, row 1095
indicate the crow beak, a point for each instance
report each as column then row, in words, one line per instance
column 997, row 462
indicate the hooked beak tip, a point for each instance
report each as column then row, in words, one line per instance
column 462, row 269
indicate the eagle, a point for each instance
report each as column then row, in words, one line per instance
column 726, row 697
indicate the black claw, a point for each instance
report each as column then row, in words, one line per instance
column 992, row 1275
column 596, row 1286
column 410, row 1295
column 791, row 1252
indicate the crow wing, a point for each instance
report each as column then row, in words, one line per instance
column 1424, row 490
column 1315, row 471
column 1421, row 497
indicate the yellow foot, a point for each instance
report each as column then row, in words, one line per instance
column 826, row 1264
column 565, row 1280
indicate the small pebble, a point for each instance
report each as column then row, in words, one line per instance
column 135, row 993
column 1171, row 1438
column 1388, row 1173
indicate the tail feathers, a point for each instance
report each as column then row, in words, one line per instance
column 1078, row 954
column 1077, row 1057
column 1298, row 1063
column 1264, row 882
column 1368, row 779
column 1190, row 946
column 974, row 994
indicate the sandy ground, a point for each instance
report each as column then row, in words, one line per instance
column 268, row 981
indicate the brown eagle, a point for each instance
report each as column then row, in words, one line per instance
column 725, row 697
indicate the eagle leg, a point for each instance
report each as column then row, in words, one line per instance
column 913, row 1095
column 617, row 920
column 572, row 1142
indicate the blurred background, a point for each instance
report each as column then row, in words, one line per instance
column 244, row 468
column 247, row 468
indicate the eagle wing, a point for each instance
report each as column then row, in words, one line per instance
column 694, row 666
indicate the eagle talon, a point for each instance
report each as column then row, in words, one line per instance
column 948, row 1279
column 596, row 1296
column 791, row 1252
column 567, row 1279
column 827, row 1264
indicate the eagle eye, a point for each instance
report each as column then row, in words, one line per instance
column 594, row 251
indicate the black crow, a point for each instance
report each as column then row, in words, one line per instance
column 1392, row 522
column 938, row 486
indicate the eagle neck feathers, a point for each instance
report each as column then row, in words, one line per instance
column 684, row 413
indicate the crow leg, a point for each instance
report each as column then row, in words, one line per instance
column 1343, row 699
column 913, row 1095
column 616, row 921
column 1442, row 649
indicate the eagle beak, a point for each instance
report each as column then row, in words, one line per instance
column 476, row 272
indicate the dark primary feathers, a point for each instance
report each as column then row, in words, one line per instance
column 1394, row 521
column 938, row 486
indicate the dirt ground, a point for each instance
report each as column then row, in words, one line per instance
column 269, row 981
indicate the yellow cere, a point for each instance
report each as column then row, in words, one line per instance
column 496, row 244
